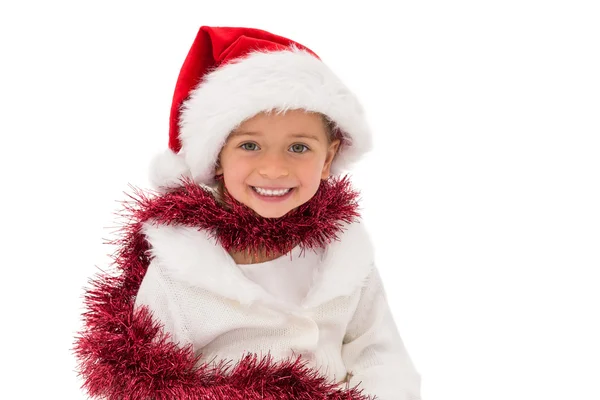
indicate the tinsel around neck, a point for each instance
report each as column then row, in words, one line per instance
column 239, row 228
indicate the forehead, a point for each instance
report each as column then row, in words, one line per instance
column 292, row 124
column 298, row 135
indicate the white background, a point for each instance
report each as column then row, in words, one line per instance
column 482, row 193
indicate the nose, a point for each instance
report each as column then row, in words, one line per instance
column 273, row 166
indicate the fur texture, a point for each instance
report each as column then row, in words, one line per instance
column 167, row 169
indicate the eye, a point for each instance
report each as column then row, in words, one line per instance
column 249, row 146
column 299, row 148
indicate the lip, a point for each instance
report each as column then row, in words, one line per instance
column 272, row 199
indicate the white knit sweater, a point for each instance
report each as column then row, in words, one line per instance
column 337, row 316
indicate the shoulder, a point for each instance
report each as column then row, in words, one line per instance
column 346, row 265
column 192, row 257
column 181, row 246
column 354, row 244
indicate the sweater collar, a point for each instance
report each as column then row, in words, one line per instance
column 191, row 234
column 193, row 257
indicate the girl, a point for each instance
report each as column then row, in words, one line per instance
column 249, row 274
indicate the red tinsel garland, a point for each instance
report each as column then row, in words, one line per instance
column 125, row 355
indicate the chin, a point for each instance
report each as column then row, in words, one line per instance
column 271, row 214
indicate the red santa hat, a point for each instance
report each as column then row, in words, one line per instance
column 232, row 74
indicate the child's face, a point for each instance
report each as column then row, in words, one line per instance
column 270, row 153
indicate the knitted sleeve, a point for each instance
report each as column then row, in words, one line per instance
column 373, row 351
column 156, row 292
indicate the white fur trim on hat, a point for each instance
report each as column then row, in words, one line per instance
column 264, row 81
column 167, row 169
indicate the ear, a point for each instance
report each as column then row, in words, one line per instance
column 218, row 167
column 331, row 152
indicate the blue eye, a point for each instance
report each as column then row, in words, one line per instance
column 249, row 146
column 299, row 148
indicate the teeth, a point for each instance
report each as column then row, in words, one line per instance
column 266, row 192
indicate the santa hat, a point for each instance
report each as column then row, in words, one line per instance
column 232, row 74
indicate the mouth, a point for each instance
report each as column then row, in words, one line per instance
column 272, row 194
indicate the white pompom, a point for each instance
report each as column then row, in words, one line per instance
column 167, row 169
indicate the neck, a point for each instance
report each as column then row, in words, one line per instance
column 248, row 257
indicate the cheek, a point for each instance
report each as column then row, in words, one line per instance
column 234, row 182
column 235, row 167
column 310, row 172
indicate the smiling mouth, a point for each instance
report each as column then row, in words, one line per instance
column 271, row 193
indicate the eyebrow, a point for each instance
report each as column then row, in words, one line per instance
column 295, row 135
